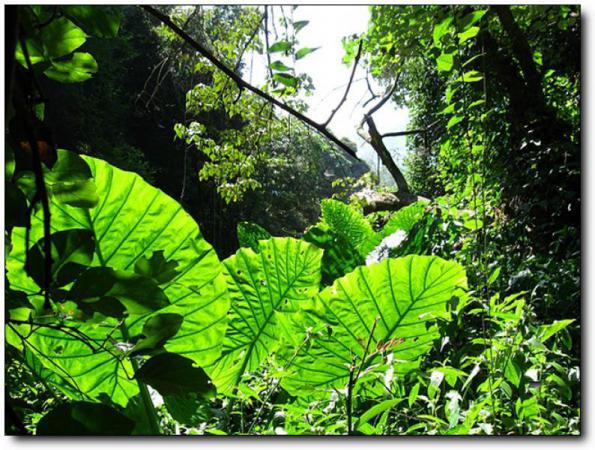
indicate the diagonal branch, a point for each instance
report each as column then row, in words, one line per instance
column 320, row 128
column 355, row 63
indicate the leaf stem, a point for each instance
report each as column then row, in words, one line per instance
column 144, row 391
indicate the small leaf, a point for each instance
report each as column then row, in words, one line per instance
column 61, row 37
column 513, row 373
column 285, row 79
column 468, row 34
column 471, row 77
column 471, row 18
column 172, row 374
column 278, row 65
column 79, row 68
column 156, row 267
column 454, row 120
column 156, row 331
column 281, row 46
column 445, row 62
column 72, row 252
column 413, row 394
column 297, row 26
column 80, row 194
column 305, row 51
column 386, row 405
column 547, row 331
column 137, row 293
column 84, row 419
column 494, row 276
column 441, row 29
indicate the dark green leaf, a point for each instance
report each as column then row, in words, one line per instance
column 340, row 256
column 72, row 252
column 285, row 79
column 100, row 21
column 137, row 293
column 278, row 65
column 250, row 233
column 189, row 409
column 156, row 331
column 157, row 267
column 281, row 46
column 16, row 207
column 297, row 26
column 84, row 419
column 172, row 374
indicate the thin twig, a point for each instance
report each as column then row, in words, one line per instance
column 355, row 63
column 408, row 132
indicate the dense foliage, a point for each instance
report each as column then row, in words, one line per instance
column 196, row 262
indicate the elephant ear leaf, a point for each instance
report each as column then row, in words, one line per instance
column 340, row 256
column 348, row 222
column 250, row 233
column 131, row 221
column 375, row 315
column 281, row 277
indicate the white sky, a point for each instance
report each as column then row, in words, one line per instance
column 328, row 25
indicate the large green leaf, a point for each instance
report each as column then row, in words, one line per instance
column 340, row 256
column 133, row 220
column 349, row 223
column 250, row 233
column 283, row 275
column 401, row 296
column 404, row 219
column 100, row 21
column 96, row 368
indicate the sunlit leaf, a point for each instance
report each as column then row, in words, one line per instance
column 80, row 67
column 402, row 296
column 302, row 52
column 283, row 275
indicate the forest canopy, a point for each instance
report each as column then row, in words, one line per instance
column 190, row 252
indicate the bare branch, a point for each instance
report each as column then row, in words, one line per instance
column 382, row 101
column 355, row 63
column 242, row 83
column 408, row 132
